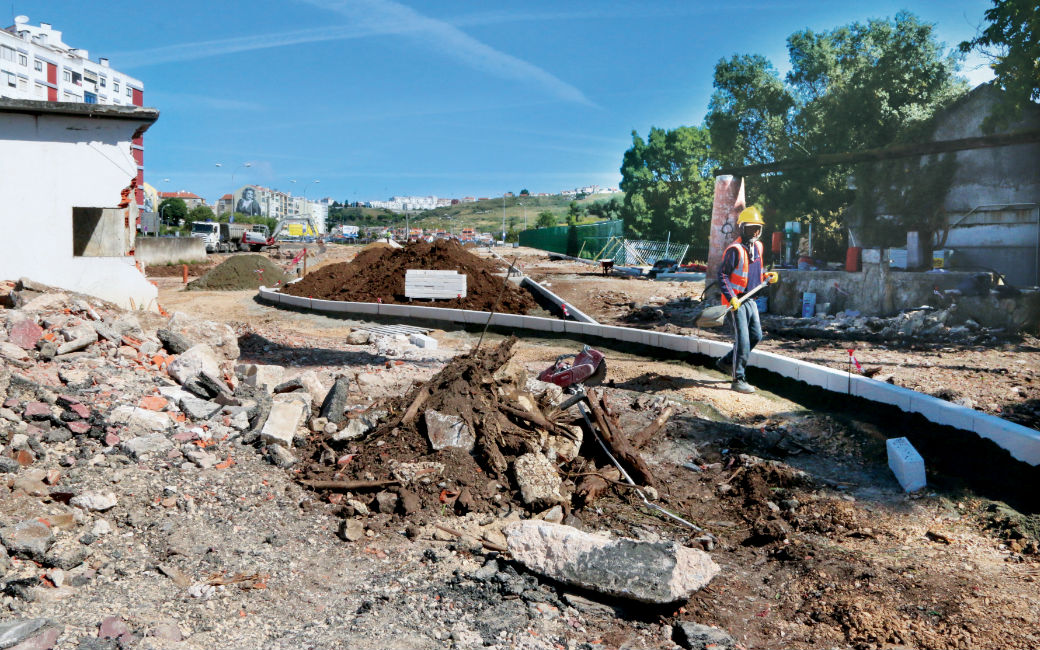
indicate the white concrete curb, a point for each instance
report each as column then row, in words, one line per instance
column 575, row 313
column 1021, row 442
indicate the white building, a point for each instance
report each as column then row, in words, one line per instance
column 69, row 174
column 36, row 64
column 257, row 200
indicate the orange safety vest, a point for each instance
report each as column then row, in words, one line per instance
column 738, row 279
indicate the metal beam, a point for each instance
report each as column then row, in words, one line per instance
column 886, row 153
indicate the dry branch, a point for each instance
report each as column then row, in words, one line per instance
column 646, row 434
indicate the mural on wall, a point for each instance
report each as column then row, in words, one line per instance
column 246, row 201
column 151, row 198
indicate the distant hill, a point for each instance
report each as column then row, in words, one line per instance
column 483, row 216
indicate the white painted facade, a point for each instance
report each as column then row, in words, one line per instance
column 25, row 52
column 55, row 157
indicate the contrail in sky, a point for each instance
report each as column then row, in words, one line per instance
column 372, row 18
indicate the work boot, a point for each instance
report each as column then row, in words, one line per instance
column 742, row 386
column 723, row 367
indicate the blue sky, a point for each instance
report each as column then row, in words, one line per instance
column 378, row 97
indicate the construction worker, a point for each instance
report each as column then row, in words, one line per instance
column 742, row 270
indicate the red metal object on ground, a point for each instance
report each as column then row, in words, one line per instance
column 587, row 368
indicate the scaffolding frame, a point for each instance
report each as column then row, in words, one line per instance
column 639, row 252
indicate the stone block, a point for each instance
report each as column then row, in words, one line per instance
column 261, row 375
column 445, row 431
column 196, row 360
column 221, row 339
column 423, row 341
column 150, row 445
column 906, row 464
column 649, row 572
column 538, row 480
column 281, row 425
column 139, row 418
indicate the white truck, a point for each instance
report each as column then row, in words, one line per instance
column 220, row 237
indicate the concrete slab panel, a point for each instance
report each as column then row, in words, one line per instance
column 296, row 301
column 397, row 311
column 557, row 326
column 332, row 306
column 1022, row 443
column 508, row 320
column 673, row 342
column 942, row 412
column 717, row 348
column 363, row 307
column 879, row 391
column 537, row 323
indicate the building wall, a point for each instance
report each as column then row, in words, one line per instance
column 994, row 200
column 92, row 159
column 36, row 64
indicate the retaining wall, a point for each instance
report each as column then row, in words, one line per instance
column 1021, row 442
column 169, row 250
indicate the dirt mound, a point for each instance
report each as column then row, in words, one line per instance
column 241, row 272
column 175, row 270
column 482, row 391
column 378, row 274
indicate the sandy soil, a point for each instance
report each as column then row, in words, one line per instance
column 840, row 558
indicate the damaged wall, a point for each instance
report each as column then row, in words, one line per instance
column 56, row 158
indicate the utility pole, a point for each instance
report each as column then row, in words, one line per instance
column 503, row 217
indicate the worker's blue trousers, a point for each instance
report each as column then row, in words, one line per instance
column 747, row 332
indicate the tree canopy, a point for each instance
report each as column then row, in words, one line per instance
column 546, row 219
column 173, row 210
column 668, row 184
column 860, row 86
column 1012, row 43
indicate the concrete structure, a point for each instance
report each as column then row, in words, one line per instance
column 994, row 201
column 156, row 251
column 1022, row 443
column 726, row 207
column 35, row 64
column 69, row 175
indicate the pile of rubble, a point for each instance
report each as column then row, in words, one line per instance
column 111, row 430
column 915, row 325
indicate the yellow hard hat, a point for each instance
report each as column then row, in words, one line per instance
column 750, row 216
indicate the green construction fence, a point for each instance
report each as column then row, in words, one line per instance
column 585, row 240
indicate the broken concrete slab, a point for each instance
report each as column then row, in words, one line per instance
column 260, row 375
column 174, row 342
column 282, row 423
column 312, row 384
column 27, row 539
column 333, row 407
column 17, row 633
column 359, row 426
column 12, row 351
column 198, row 409
column 649, row 572
column 143, row 446
column 25, row 333
column 218, row 336
column 695, row 636
column 195, row 360
column 538, row 479
column 445, row 431
column 134, row 417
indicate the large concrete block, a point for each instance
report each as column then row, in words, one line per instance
column 942, row 412
column 331, row 306
column 508, row 320
column 423, row 341
column 261, row 375
column 196, row 360
column 1019, row 441
column 282, row 423
column 650, row 572
column 906, row 464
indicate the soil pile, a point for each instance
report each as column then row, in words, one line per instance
column 241, row 272
column 175, row 270
column 378, row 274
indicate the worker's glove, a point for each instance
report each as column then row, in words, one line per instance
column 734, row 303
column 773, row 277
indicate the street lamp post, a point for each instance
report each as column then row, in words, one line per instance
column 503, row 218
column 231, row 207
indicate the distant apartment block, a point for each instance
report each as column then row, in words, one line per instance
column 35, row 64
column 259, row 201
column 190, row 199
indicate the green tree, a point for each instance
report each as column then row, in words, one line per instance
column 512, row 235
column 546, row 219
column 574, row 213
column 668, row 184
column 1012, row 43
column 861, row 86
column 524, row 192
column 173, row 210
column 198, row 213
